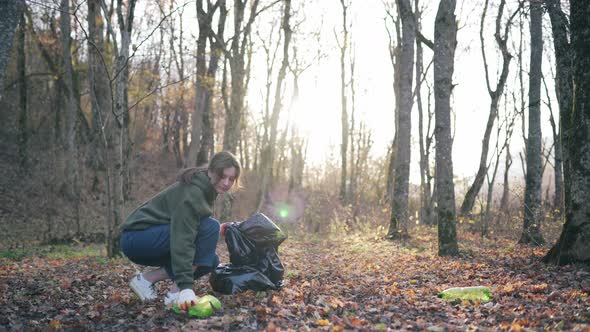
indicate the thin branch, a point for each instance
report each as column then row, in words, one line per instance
column 424, row 40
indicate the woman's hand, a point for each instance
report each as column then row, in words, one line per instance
column 222, row 229
column 186, row 299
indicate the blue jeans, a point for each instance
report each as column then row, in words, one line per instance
column 151, row 247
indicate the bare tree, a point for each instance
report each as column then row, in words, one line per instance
column 564, row 90
column 399, row 207
column 424, row 139
column 297, row 144
column 236, row 58
column 118, row 184
column 507, row 127
column 206, row 149
column 531, row 233
column 343, row 102
column 98, row 81
column 394, row 56
column 201, row 144
column 557, row 157
column 574, row 242
column 268, row 156
column 298, row 148
column 501, row 38
column 70, row 147
column 23, row 118
column 353, row 180
column 445, row 42
column 179, row 122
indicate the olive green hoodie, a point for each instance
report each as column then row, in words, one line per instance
column 182, row 205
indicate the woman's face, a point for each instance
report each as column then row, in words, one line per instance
column 224, row 183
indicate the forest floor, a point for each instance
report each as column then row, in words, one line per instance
column 331, row 284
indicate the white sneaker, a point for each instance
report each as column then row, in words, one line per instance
column 144, row 289
column 170, row 298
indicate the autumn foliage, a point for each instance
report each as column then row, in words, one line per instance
column 332, row 284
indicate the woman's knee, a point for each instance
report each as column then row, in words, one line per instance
column 209, row 226
column 125, row 243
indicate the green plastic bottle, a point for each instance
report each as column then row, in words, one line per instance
column 204, row 308
column 210, row 299
column 201, row 310
column 473, row 293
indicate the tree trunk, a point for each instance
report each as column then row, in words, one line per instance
column 237, row 63
column 399, row 209
column 297, row 147
column 344, row 110
column 557, row 168
column 267, row 163
column 564, row 89
column 238, row 74
column 98, row 82
column 425, row 191
column 574, row 242
column 176, row 132
column 353, row 180
column 59, row 99
column 201, row 84
column 505, row 200
column 531, row 233
column 23, row 118
column 445, row 42
column 71, row 150
column 180, row 125
column 120, row 162
column 10, row 15
column 495, row 95
column 206, row 148
column 297, row 144
column 395, row 57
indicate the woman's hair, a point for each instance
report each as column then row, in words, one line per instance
column 219, row 162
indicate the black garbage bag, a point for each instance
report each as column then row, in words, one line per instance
column 231, row 279
column 253, row 253
column 270, row 265
column 262, row 231
column 241, row 250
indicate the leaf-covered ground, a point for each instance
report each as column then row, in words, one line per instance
column 330, row 284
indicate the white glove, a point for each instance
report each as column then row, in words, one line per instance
column 186, row 299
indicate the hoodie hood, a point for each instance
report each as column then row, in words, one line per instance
column 201, row 180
